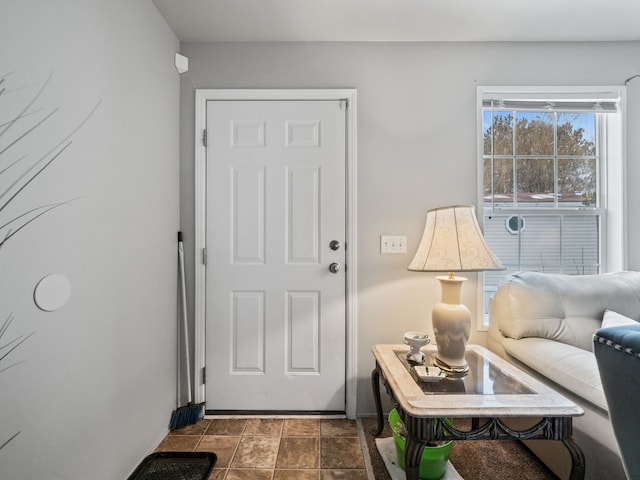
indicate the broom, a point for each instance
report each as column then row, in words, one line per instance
column 189, row 413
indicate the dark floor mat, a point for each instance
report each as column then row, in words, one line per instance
column 175, row 466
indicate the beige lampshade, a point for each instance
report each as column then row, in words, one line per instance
column 452, row 242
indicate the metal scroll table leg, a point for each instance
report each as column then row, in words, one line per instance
column 577, row 460
column 412, row 457
column 375, row 385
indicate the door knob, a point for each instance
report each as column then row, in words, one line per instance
column 334, row 245
column 334, row 267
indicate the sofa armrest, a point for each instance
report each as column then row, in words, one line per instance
column 570, row 367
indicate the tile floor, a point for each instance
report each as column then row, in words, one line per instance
column 275, row 448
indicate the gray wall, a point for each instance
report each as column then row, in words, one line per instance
column 96, row 387
column 416, row 143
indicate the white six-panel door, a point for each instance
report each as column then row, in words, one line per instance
column 275, row 312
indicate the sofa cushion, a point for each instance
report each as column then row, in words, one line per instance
column 572, row 368
column 564, row 308
column 615, row 319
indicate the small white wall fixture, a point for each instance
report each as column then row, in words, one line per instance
column 182, row 63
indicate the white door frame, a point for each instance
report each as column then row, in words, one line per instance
column 350, row 95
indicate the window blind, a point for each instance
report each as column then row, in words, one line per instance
column 582, row 102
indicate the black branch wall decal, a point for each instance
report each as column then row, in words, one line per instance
column 17, row 176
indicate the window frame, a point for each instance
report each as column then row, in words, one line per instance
column 611, row 207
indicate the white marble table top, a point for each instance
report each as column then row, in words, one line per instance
column 542, row 401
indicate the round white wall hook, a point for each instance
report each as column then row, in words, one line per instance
column 52, row 292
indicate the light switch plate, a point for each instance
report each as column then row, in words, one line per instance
column 393, row 244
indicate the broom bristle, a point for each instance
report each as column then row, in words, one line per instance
column 187, row 415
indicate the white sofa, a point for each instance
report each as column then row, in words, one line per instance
column 544, row 323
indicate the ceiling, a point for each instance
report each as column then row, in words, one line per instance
column 402, row 20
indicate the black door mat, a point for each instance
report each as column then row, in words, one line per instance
column 175, row 466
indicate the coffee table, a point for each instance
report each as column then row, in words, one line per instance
column 492, row 391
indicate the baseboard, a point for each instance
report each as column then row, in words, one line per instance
column 276, row 413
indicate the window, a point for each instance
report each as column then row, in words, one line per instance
column 551, row 180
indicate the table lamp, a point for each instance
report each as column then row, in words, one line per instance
column 452, row 242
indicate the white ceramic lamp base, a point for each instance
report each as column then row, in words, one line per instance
column 451, row 326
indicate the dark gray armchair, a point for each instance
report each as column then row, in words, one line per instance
column 617, row 351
